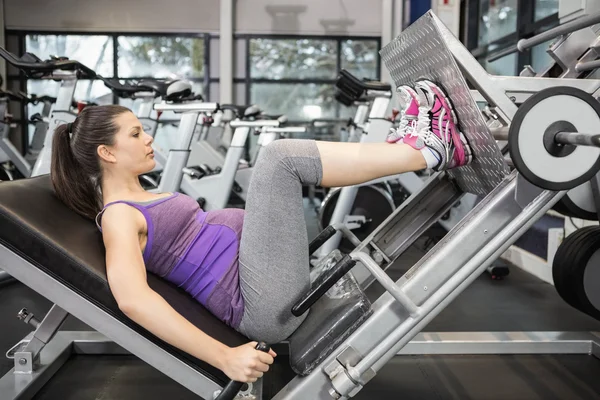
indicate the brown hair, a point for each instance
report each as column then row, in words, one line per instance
column 75, row 170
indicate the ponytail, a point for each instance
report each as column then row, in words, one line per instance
column 71, row 183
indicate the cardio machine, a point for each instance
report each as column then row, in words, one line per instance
column 214, row 190
column 67, row 72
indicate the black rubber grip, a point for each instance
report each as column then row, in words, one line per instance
column 324, row 236
column 233, row 387
column 323, row 284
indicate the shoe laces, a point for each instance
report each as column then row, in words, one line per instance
column 423, row 129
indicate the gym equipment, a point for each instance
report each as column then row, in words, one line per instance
column 205, row 153
column 362, row 208
column 213, row 189
column 551, row 141
column 574, row 55
column 575, row 270
column 69, row 269
column 10, row 157
column 67, row 72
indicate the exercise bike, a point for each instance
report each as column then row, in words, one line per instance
column 68, row 72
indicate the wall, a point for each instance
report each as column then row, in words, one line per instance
column 310, row 17
column 113, row 15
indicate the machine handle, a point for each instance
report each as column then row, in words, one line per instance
column 564, row 29
column 233, row 387
column 320, row 240
column 36, row 65
column 322, row 284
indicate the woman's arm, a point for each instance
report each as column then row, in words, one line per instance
column 121, row 225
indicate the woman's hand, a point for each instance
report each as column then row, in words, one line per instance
column 246, row 364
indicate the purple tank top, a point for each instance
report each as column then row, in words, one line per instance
column 195, row 250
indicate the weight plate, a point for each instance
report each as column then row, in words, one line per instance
column 590, row 244
column 578, row 203
column 540, row 114
column 560, row 266
column 591, row 279
column 372, row 201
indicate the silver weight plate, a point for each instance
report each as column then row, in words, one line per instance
column 529, row 128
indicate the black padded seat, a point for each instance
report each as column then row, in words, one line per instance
column 248, row 111
column 366, row 84
column 37, row 226
column 352, row 89
column 159, row 87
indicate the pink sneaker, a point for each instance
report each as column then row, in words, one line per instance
column 409, row 114
column 437, row 128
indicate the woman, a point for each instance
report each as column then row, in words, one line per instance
column 247, row 267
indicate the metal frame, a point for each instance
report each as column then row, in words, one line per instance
column 99, row 319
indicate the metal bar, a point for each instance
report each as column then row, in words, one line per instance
column 50, row 324
column 586, row 66
column 273, row 123
column 193, row 106
column 24, row 386
column 504, row 226
column 5, row 277
column 477, row 343
column 290, row 129
column 503, row 53
column 578, row 138
column 386, row 282
column 98, row 319
column 500, row 133
column 564, row 29
column 520, row 84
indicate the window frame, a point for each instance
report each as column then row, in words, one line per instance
column 248, row 80
column 526, row 28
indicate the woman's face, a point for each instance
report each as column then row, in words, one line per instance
column 132, row 150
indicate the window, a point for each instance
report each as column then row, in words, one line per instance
column 498, row 18
column 545, row 8
column 95, row 52
column 500, row 25
column 361, row 58
column 540, row 59
column 506, row 66
column 296, row 77
column 111, row 56
column 160, row 57
column 293, row 59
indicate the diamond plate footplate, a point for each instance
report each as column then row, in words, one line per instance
column 421, row 53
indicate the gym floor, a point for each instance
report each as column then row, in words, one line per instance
column 520, row 302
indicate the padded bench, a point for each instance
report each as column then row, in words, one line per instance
column 68, row 249
column 35, row 224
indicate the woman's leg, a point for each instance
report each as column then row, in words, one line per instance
column 274, row 260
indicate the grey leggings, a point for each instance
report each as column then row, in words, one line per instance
column 274, row 260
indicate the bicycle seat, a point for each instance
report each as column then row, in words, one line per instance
column 354, row 88
column 242, row 111
column 124, row 90
column 34, row 67
column 168, row 90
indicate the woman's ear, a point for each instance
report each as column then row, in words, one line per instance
column 105, row 154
